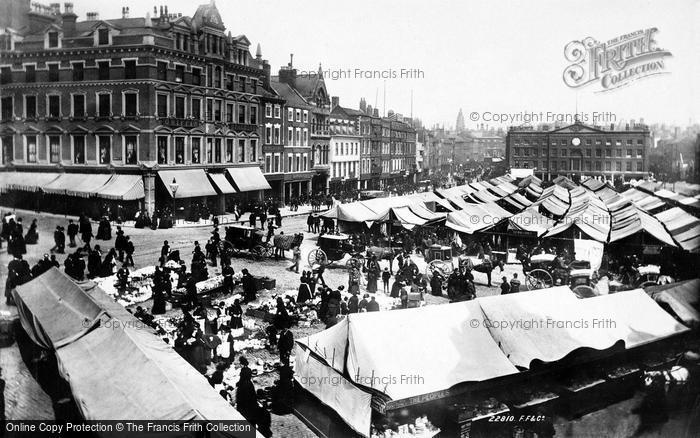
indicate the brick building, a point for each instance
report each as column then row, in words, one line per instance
column 147, row 112
column 578, row 150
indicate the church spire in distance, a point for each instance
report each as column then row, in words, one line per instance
column 459, row 126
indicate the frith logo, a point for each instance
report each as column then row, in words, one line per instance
column 615, row 63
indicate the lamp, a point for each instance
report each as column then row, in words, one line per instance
column 173, row 188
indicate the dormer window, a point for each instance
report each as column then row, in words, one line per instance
column 103, row 37
column 53, row 40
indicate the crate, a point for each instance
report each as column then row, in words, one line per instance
column 269, row 283
column 259, row 282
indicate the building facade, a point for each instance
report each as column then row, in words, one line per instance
column 578, row 150
column 172, row 101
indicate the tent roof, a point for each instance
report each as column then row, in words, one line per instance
column 683, row 298
column 476, row 217
column 59, row 311
column 531, row 220
column 444, row 347
column 545, row 342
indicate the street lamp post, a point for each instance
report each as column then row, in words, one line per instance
column 173, row 188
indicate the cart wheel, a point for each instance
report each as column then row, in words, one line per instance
column 354, row 263
column 317, row 256
column 583, row 291
column 268, row 250
column 539, row 279
column 258, row 252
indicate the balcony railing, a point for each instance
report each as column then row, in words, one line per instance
column 175, row 122
column 247, row 127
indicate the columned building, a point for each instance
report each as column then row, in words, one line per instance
column 580, row 150
column 156, row 113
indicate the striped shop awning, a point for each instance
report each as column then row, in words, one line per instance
column 122, row 188
column 221, row 183
column 83, row 185
column 26, row 181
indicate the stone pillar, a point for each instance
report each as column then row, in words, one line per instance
column 149, row 190
column 282, row 193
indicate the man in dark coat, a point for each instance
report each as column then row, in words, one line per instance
column 353, row 304
column 505, row 287
column 285, row 345
column 515, row 284
column 373, row 305
column 119, row 243
column 72, row 232
column 18, row 273
column 129, row 249
column 249, row 289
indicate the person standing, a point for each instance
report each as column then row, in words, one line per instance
column 296, row 258
column 386, row 276
column 310, row 223
column 373, row 305
column 72, row 232
column 505, row 286
column 285, row 345
column 119, row 243
column 514, row 284
column 227, row 271
column 373, row 270
column 278, row 218
column 129, row 250
column 249, row 289
column 59, row 240
column 263, row 218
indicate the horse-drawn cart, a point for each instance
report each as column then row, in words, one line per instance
column 334, row 247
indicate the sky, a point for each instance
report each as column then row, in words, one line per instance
column 487, row 57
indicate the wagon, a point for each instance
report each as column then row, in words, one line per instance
column 334, row 247
column 242, row 238
column 540, row 274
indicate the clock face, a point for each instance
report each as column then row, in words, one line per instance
column 575, row 141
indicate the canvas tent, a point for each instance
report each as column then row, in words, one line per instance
column 683, row 299
column 114, row 353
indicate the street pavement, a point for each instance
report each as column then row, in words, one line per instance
column 24, row 396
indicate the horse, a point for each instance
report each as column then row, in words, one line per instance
column 285, row 242
column 486, row 266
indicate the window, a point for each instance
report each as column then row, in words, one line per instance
column 162, row 105
column 588, row 153
column 78, row 105
column 290, row 115
column 30, row 73
column 306, row 137
column 54, row 107
column 598, row 166
column 563, row 153
column 229, row 82
column 277, row 111
column 241, row 83
column 241, row 150
column 253, row 155
column 102, row 37
column 54, row 148
column 104, row 105
column 229, row 113
column 229, row 150
column 105, row 149
column 608, row 166
column 618, row 166
column 290, row 138
column 598, row 153
column 162, row 70
column 629, row 166
column 618, row 152
column 5, row 75
column 268, row 110
column 7, row 108
column 289, row 163
column 78, row 71
column 278, row 134
column 31, row 148
column 210, row 109
column 277, row 163
column 195, row 150
column 79, row 149
column 639, row 153
column 53, row 72
column 268, row 134
column 640, row 141
column 179, row 73
column 217, row 110
column 268, row 163
column 197, row 108
column 298, row 115
column 629, row 153
column 130, row 149
column 162, row 145
column 639, row 166
column 608, row 153
column 253, row 115
column 180, row 107
column 131, row 104
column 306, row 116
column 196, row 76
column 53, row 40
column 179, row 150
column 130, row 69
column 241, row 113
column 209, row 151
column 217, row 150
column 103, row 70
column 30, row 107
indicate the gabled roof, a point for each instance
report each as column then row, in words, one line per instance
column 293, row 98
